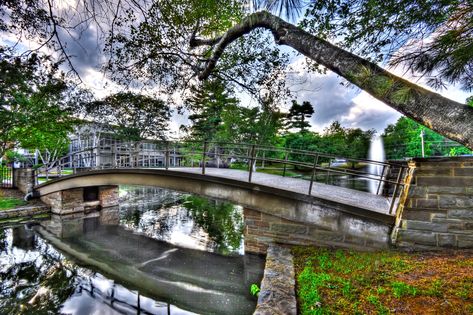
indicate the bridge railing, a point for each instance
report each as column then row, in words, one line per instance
column 386, row 178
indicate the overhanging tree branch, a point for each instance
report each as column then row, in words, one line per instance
column 445, row 116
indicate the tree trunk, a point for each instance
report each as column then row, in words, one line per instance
column 445, row 116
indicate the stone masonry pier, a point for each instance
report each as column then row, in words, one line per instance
column 438, row 208
column 82, row 199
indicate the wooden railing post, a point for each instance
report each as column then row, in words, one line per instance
column 314, row 168
column 203, row 157
column 252, row 160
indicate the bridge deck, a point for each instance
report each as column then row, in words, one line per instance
column 342, row 195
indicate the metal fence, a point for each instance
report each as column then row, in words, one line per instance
column 6, row 176
column 307, row 165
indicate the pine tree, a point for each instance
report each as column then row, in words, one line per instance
column 206, row 106
column 298, row 114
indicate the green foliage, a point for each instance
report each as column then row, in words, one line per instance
column 347, row 282
column 260, row 124
column 435, row 288
column 36, row 105
column 154, row 47
column 309, row 286
column 217, row 116
column 381, row 309
column 13, row 156
column 10, row 203
column 402, row 140
column 336, row 140
column 401, row 289
column 254, row 289
column 206, row 105
column 469, row 101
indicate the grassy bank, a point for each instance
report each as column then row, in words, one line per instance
column 10, row 203
column 348, row 282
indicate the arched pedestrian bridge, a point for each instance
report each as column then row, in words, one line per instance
column 282, row 207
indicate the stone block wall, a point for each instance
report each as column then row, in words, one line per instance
column 24, row 179
column 72, row 200
column 438, row 211
column 108, row 196
column 346, row 231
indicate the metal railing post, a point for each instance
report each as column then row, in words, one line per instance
column 252, row 160
column 73, row 162
column 203, row 157
column 396, row 188
column 166, row 156
column 285, row 163
column 381, row 179
column 316, row 160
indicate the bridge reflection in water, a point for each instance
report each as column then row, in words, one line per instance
column 150, row 276
column 126, row 243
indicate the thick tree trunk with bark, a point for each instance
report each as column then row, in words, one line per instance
column 445, row 116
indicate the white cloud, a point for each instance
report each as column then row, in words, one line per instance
column 351, row 106
column 366, row 112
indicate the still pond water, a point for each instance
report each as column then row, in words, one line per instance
column 159, row 252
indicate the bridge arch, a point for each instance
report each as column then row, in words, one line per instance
column 336, row 222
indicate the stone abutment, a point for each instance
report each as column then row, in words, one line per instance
column 438, row 208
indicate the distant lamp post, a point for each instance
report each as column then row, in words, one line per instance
column 422, row 133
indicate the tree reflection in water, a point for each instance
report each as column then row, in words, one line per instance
column 221, row 220
column 34, row 276
column 185, row 220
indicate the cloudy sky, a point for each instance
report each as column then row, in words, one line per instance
column 349, row 105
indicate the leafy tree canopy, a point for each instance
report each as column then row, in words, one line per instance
column 335, row 140
column 133, row 116
column 206, row 105
column 260, row 124
column 167, row 44
column 35, row 105
column 216, row 115
column 402, row 140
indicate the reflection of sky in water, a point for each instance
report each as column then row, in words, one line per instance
column 35, row 278
column 160, row 214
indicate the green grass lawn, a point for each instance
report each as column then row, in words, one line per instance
column 333, row 281
column 10, row 203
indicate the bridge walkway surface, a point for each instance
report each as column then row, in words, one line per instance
column 338, row 194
